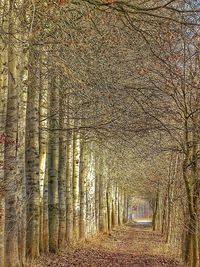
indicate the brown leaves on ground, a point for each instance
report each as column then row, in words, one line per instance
column 128, row 246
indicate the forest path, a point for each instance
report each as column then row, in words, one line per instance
column 127, row 246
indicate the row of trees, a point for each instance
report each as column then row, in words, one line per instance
column 173, row 104
column 96, row 107
column 56, row 181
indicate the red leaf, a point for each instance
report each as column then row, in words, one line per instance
column 61, row 2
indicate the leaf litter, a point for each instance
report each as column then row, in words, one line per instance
column 127, row 246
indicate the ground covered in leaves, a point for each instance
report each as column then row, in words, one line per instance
column 128, row 246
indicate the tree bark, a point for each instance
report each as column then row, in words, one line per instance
column 43, row 143
column 3, row 102
column 69, row 186
column 53, row 157
column 102, row 196
column 76, row 181
column 22, row 82
column 83, row 186
column 97, row 194
column 62, row 177
column 10, row 165
column 32, row 158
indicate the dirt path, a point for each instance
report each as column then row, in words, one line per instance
column 129, row 246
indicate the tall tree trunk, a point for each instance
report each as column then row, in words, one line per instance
column 10, row 168
column 125, row 213
column 192, row 235
column 155, row 210
column 32, row 157
column 45, row 211
column 83, row 186
column 53, row 157
column 43, row 144
column 192, row 185
column 62, row 176
column 102, row 196
column 120, row 207
column 171, row 199
column 90, row 195
column 21, row 156
column 109, row 207
column 69, row 186
column 3, row 101
column 97, row 194
column 76, row 180
column 116, row 206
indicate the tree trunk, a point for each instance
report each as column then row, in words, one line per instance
column 155, row 210
column 32, row 158
column 21, row 155
column 43, row 141
column 90, row 195
column 3, row 101
column 53, row 157
column 83, row 183
column 102, row 197
column 97, row 190
column 76, row 191
column 69, row 187
column 10, row 168
column 109, row 206
column 62, row 177
column 45, row 212
column 125, row 214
